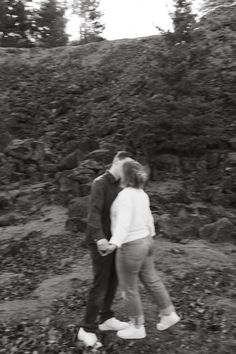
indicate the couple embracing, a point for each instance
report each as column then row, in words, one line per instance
column 120, row 238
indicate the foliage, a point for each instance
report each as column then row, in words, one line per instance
column 183, row 22
column 91, row 26
column 14, row 24
column 22, row 25
column 51, row 24
column 148, row 94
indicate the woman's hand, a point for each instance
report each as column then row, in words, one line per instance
column 109, row 249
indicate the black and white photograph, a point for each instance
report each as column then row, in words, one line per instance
column 117, row 176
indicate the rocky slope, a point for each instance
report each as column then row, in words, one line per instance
column 64, row 113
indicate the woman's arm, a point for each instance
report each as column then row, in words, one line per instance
column 123, row 219
column 150, row 220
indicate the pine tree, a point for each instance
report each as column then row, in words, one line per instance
column 183, row 21
column 91, row 27
column 14, row 24
column 51, row 23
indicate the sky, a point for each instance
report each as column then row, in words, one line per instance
column 130, row 18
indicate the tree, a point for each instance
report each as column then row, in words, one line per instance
column 176, row 57
column 91, row 27
column 51, row 23
column 14, row 23
column 183, row 21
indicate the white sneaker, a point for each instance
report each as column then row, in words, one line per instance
column 168, row 321
column 89, row 339
column 132, row 332
column 112, row 324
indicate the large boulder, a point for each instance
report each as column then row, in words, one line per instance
column 166, row 194
column 232, row 142
column 178, row 228
column 103, row 156
column 78, row 207
column 7, row 220
column 223, row 230
column 26, row 150
column 77, row 181
column 5, row 201
column 71, row 161
column 166, row 162
column 5, row 139
column 231, row 159
column 77, row 213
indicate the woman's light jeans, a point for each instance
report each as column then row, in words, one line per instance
column 134, row 260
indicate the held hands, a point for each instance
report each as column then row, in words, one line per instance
column 104, row 247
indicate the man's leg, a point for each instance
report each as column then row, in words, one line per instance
column 106, row 312
column 102, row 269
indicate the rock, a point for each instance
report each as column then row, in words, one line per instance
column 218, row 212
column 92, row 165
column 212, row 194
column 27, row 149
column 77, row 213
column 103, row 156
column 7, row 277
column 87, row 145
column 232, row 142
column 76, row 181
column 70, row 161
column 223, row 230
column 5, row 200
column 76, row 224
column 66, row 261
column 84, row 189
column 231, row 159
column 7, row 220
column 64, row 181
column 83, row 175
column 78, row 207
column 178, row 228
column 213, row 160
column 167, row 162
column 168, row 192
column 5, row 139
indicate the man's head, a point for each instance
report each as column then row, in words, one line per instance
column 119, row 159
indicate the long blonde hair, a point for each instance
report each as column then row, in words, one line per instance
column 133, row 174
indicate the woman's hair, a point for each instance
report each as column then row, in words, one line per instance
column 121, row 155
column 134, row 174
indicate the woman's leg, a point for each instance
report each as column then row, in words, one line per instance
column 154, row 284
column 129, row 261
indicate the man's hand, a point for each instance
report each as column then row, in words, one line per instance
column 109, row 249
column 104, row 247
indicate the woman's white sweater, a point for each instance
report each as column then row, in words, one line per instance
column 131, row 217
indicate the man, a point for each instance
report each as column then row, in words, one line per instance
column 101, row 295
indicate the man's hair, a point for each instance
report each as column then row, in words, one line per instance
column 134, row 174
column 121, row 155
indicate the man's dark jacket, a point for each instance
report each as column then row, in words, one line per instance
column 104, row 190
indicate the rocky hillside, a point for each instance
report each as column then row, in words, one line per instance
column 64, row 112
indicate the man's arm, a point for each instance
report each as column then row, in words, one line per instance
column 94, row 220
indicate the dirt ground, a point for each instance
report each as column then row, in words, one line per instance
column 46, row 272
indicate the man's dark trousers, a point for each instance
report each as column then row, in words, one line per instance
column 103, row 290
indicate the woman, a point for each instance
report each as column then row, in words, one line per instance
column 132, row 232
